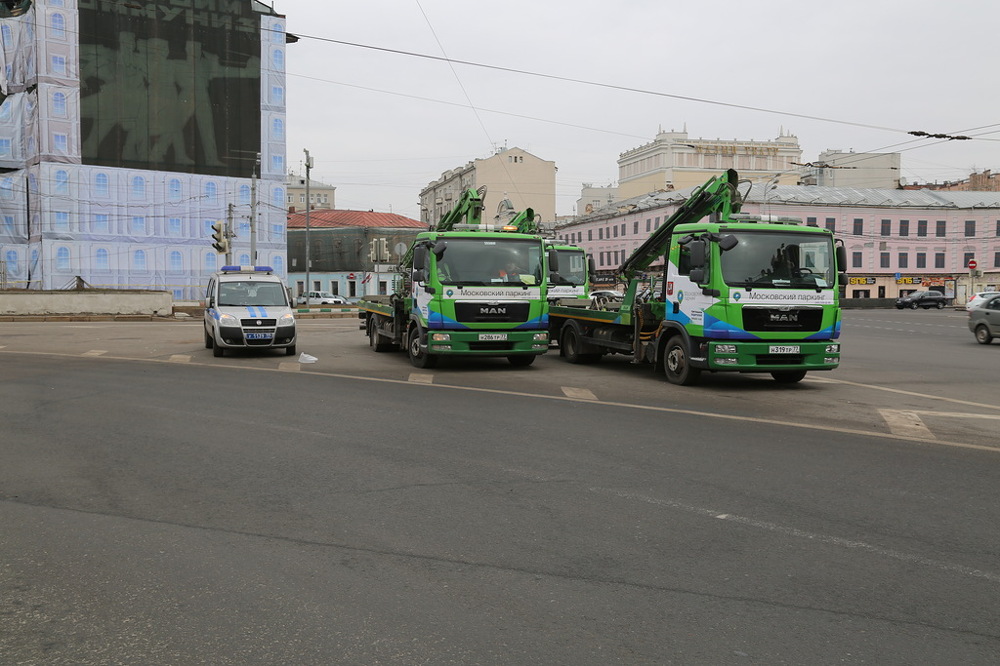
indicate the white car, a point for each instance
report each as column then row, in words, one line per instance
column 322, row 298
column 979, row 298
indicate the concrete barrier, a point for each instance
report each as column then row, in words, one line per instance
column 89, row 301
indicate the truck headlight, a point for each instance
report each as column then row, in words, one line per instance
column 228, row 320
column 541, row 336
column 440, row 337
column 833, row 349
column 287, row 319
column 725, row 349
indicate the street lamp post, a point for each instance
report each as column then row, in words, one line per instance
column 309, row 164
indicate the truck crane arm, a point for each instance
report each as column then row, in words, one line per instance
column 718, row 195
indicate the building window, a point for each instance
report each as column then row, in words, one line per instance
column 904, row 227
column 211, row 261
column 921, row 227
column 138, row 225
column 921, row 260
column 904, row 260
column 102, row 186
column 623, row 228
column 886, row 227
column 174, row 189
column 101, row 262
column 590, row 234
column 967, row 257
column 62, row 182
column 207, row 224
column 856, row 260
column 278, row 264
column 211, row 192
column 635, row 227
column 12, row 268
column 939, row 260
column 100, row 223
column 58, row 26
column 883, row 259
column 278, row 129
column 941, row 227
column 996, row 260
column 616, row 230
column 62, row 259
column 62, row 221
column 277, row 95
column 245, row 261
column 277, row 196
column 831, row 223
column 139, row 187
column 176, row 262
column 859, row 227
column 245, row 194
column 278, row 60
column 60, row 143
column 998, row 227
column 58, row 64
column 8, row 224
column 174, row 226
column 600, row 233
column 811, row 222
column 970, row 228
column 139, row 260
column 277, row 164
column 59, row 104
column 7, row 188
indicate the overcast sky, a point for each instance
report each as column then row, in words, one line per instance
column 847, row 75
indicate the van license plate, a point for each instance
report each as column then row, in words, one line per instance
column 258, row 336
column 783, row 349
column 492, row 336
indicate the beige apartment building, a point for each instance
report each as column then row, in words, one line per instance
column 673, row 161
column 321, row 195
column 836, row 168
column 512, row 173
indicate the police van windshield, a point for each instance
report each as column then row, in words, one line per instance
column 251, row 292
column 775, row 259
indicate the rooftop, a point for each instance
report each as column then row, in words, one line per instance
column 352, row 218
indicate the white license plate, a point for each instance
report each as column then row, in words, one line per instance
column 492, row 336
column 783, row 349
column 258, row 336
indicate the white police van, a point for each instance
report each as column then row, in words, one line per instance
column 247, row 307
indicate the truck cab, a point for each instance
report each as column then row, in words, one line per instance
column 247, row 307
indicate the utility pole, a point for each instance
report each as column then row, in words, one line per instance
column 309, row 164
column 253, row 213
column 229, row 235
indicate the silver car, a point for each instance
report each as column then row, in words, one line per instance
column 984, row 320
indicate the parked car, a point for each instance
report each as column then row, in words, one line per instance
column 979, row 298
column 922, row 299
column 322, row 298
column 984, row 320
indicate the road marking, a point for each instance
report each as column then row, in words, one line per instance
column 906, row 424
column 290, row 367
column 815, row 537
column 964, row 415
column 94, row 352
column 418, row 378
column 578, row 393
column 180, row 358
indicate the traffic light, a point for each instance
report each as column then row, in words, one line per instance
column 219, row 240
column 373, row 249
column 383, row 249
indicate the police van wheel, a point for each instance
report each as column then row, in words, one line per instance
column 217, row 351
column 290, row 351
column 208, row 340
column 677, row 365
column 419, row 358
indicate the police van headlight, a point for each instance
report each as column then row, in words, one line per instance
column 287, row 319
column 228, row 320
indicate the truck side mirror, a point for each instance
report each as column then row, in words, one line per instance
column 591, row 266
column 439, row 249
column 553, row 261
column 419, row 275
column 698, row 249
column 841, row 258
column 420, row 257
column 728, row 242
column 698, row 275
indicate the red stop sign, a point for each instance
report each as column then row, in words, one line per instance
column 350, row 276
column 972, row 263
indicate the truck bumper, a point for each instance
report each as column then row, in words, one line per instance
column 769, row 356
column 487, row 343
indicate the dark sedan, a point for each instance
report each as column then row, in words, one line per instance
column 922, row 299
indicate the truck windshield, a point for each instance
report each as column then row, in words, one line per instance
column 250, row 292
column 485, row 261
column 780, row 259
column 572, row 267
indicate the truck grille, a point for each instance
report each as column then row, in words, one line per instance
column 779, row 319
column 483, row 311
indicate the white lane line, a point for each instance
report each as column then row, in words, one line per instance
column 290, row 367
column 906, row 424
column 815, row 537
column 180, row 358
column 94, row 352
column 578, row 393
column 419, row 378
column 964, row 415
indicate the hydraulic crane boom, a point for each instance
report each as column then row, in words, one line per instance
column 718, row 196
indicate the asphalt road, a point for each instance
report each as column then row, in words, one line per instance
column 162, row 506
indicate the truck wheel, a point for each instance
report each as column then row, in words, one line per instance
column 983, row 336
column 419, row 358
column 375, row 339
column 788, row 376
column 676, row 364
column 521, row 361
column 569, row 347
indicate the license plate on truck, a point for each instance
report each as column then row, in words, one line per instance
column 783, row 349
column 492, row 336
column 258, row 336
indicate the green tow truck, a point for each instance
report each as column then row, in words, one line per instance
column 576, row 269
column 736, row 293
column 467, row 288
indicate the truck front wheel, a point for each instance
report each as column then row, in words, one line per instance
column 788, row 376
column 676, row 364
column 419, row 357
